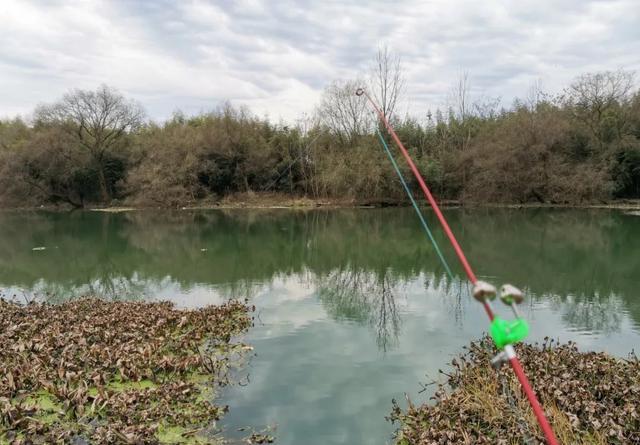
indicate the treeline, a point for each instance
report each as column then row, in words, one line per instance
column 97, row 148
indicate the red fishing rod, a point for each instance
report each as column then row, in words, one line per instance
column 504, row 333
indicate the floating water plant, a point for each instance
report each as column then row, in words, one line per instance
column 591, row 398
column 115, row 372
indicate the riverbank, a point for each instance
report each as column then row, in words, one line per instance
column 116, row 372
column 265, row 200
column 590, row 398
column 277, row 200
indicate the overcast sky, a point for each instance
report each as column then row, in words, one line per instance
column 277, row 56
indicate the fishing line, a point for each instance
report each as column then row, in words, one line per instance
column 415, row 205
column 504, row 333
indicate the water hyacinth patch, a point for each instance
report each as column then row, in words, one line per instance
column 590, row 398
column 92, row 371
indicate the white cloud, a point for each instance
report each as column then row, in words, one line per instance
column 276, row 57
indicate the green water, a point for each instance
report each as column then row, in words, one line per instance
column 353, row 308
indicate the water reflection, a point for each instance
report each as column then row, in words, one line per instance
column 594, row 313
column 354, row 308
column 366, row 297
column 582, row 262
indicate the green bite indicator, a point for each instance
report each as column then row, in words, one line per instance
column 506, row 332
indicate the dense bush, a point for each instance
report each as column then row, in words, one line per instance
column 582, row 146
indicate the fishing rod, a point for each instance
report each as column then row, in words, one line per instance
column 504, row 333
column 415, row 206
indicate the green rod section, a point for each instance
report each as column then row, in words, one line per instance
column 415, row 205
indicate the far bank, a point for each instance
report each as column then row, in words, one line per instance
column 262, row 200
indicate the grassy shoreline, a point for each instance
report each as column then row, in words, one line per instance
column 116, row 372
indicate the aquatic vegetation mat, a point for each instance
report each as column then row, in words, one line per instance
column 589, row 397
column 92, row 371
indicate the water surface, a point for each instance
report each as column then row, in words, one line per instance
column 353, row 308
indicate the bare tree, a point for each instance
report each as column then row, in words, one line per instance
column 535, row 96
column 459, row 97
column 98, row 120
column 387, row 81
column 344, row 112
column 460, row 110
column 594, row 96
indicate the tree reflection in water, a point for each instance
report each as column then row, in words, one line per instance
column 364, row 297
column 453, row 293
column 592, row 313
column 110, row 285
column 581, row 263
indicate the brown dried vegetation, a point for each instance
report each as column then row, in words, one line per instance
column 113, row 372
column 578, row 147
column 590, row 398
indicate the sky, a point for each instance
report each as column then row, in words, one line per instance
column 276, row 57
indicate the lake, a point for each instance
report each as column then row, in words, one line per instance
column 353, row 308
